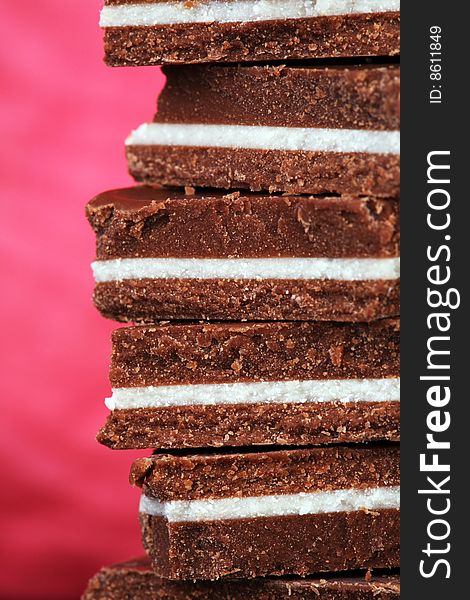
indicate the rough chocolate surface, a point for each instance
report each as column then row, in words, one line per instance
column 222, row 353
column 152, row 300
column 277, row 545
column 168, row 477
column 227, row 353
column 338, row 36
column 247, row 424
column 346, row 97
column 299, row 545
column 135, row 580
column 290, row 171
column 147, row 222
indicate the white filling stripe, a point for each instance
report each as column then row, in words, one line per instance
column 343, row 269
column 261, row 392
column 168, row 13
column 347, row 500
column 266, row 138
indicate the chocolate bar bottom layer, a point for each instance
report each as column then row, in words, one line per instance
column 151, row 300
column 247, row 424
column 135, row 580
column 281, row 545
column 348, row 35
column 291, row 171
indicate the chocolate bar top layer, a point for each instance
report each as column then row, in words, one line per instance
column 227, row 353
column 349, row 97
column 168, row 477
column 129, row 42
column 144, row 222
column 136, row 580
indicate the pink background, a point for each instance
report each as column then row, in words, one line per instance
column 65, row 505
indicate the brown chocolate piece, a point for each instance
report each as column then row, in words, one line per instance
column 299, row 545
column 280, row 544
column 135, row 580
column 338, row 96
column 221, row 353
column 375, row 34
column 233, row 425
column 152, row 300
column 147, row 222
column 290, row 171
column 229, row 353
column 168, row 477
column 143, row 222
column 357, row 98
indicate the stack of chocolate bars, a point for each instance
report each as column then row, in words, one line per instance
column 259, row 264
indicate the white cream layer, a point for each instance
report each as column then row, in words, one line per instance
column 342, row 269
column 305, row 139
column 347, row 500
column 261, row 392
column 171, row 12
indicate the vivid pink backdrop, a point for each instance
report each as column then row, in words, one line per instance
column 65, row 505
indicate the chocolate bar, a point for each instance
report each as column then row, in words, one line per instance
column 204, row 385
column 135, row 580
column 295, row 129
column 298, row 512
column 162, row 254
column 152, row 32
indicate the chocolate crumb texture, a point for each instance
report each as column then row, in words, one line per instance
column 339, row 95
column 272, row 546
column 296, row 128
column 169, row 477
column 242, row 352
column 135, row 580
column 375, row 34
column 286, row 354
column 242, row 545
column 235, row 425
column 143, row 223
